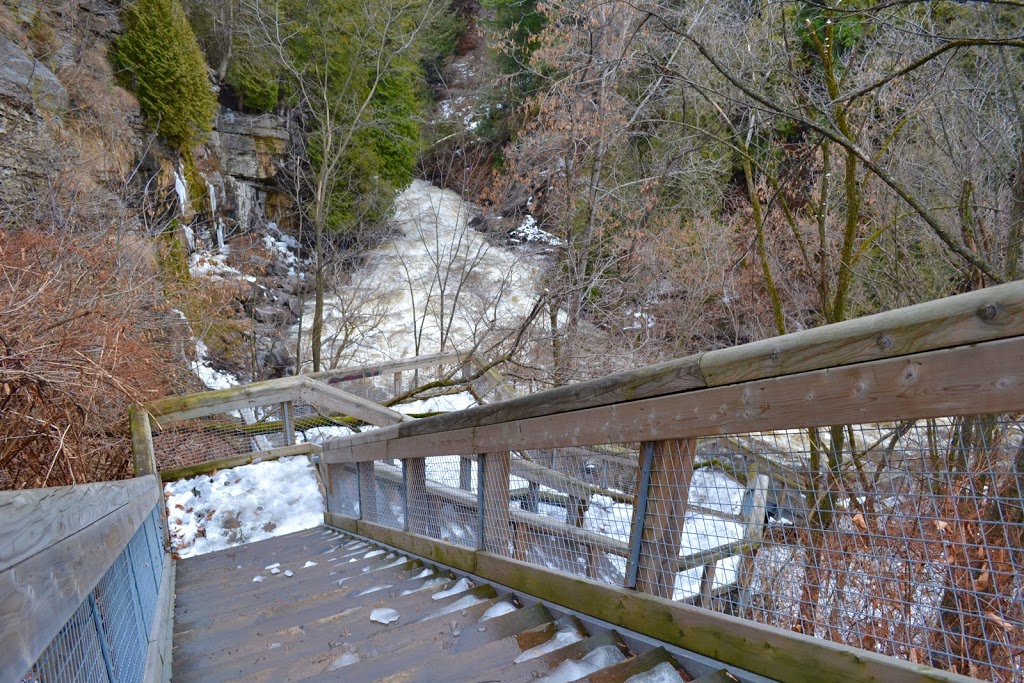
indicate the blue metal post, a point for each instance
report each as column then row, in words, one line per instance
column 98, row 620
column 481, row 464
column 640, row 514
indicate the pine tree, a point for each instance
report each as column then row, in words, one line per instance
column 159, row 60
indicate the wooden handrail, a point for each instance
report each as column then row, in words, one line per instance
column 55, row 546
column 350, row 373
column 965, row 381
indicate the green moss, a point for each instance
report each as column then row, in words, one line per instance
column 159, row 60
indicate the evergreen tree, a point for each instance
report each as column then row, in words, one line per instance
column 159, row 60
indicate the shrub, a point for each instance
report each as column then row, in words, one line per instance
column 159, row 60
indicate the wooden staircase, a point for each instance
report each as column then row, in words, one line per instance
column 332, row 607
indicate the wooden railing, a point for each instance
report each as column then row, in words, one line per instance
column 319, row 389
column 55, row 546
column 953, row 357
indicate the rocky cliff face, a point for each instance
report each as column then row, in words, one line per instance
column 71, row 138
column 249, row 149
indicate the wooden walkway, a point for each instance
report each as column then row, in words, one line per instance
column 340, row 608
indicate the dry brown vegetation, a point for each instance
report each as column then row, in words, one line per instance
column 85, row 333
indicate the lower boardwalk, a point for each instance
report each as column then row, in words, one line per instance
column 325, row 606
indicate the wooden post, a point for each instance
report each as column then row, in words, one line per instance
column 417, row 507
column 398, row 383
column 367, row 491
column 667, row 496
column 576, row 510
column 143, row 458
column 757, row 489
column 496, row 517
column 465, row 474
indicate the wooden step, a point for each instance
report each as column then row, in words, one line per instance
column 434, row 641
column 321, row 623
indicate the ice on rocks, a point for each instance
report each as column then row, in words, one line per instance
column 573, row 669
column 662, row 673
column 567, row 635
column 498, row 609
column 384, row 615
column 461, row 586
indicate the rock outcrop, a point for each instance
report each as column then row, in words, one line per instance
column 250, row 148
column 32, row 101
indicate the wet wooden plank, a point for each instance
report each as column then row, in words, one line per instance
column 303, row 630
column 415, row 645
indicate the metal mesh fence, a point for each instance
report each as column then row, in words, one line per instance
column 443, row 498
column 191, row 442
column 342, row 483
column 107, row 637
column 905, row 539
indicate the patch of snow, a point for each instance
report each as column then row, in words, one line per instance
column 528, row 232
column 424, row 573
column 574, row 669
column 461, row 586
column 662, row 673
column 289, row 573
column 567, row 635
column 373, row 553
column 213, row 379
column 275, row 571
column 241, row 505
column 257, row 579
column 309, row 563
column 384, row 615
column 498, row 609
column 273, row 566
column 374, row 589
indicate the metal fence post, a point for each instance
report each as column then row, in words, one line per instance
column 639, row 514
column 289, row 427
column 481, row 465
column 102, row 637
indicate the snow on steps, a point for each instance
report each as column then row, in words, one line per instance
column 330, row 607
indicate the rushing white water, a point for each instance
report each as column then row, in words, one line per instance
column 438, row 281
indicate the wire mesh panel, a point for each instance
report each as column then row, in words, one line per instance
column 123, row 625
column 107, row 637
column 568, row 508
column 903, row 538
column 191, row 442
column 443, row 498
column 75, row 655
column 342, row 483
column 382, row 493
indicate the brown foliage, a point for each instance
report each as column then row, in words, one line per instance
column 84, row 335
